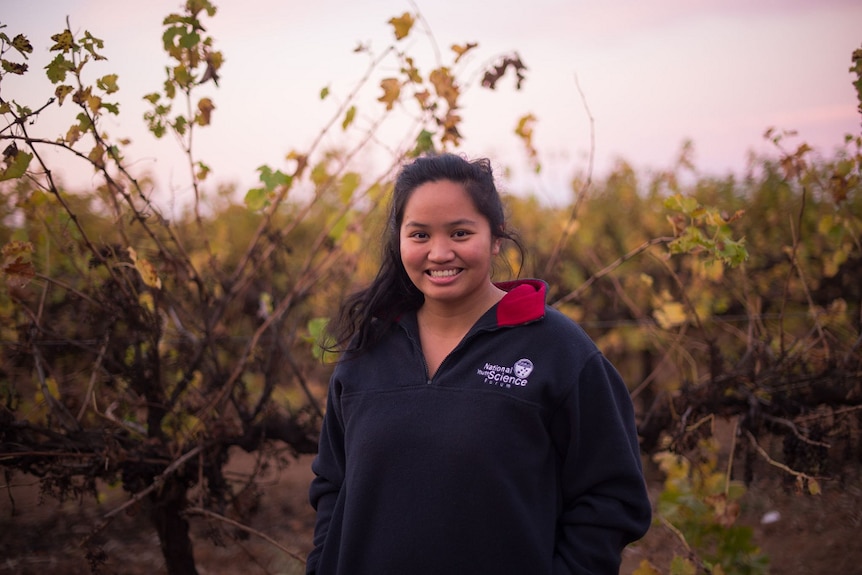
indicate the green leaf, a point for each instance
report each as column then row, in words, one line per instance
column 57, row 69
column 169, row 35
column 189, row 41
column 273, row 179
column 319, row 174
column 182, row 75
column 319, row 338
column 347, row 186
column 348, row 117
column 112, row 108
column 256, row 199
column 338, row 228
column 16, row 166
column 84, row 123
column 682, row 566
column 180, row 125
column 324, row 93
column 424, row 143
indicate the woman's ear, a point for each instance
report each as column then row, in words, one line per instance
column 495, row 246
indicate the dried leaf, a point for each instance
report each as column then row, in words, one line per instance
column 493, row 75
column 17, row 264
column 22, row 44
column 444, row 85
column 411, row 71
column 461, row 50
column 205, row 107
column 402, row 25
column 391, row 92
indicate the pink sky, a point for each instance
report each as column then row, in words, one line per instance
column 653, row 73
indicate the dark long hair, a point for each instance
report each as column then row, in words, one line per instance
column 364, row 315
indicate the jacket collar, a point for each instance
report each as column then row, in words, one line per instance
column 524, row 302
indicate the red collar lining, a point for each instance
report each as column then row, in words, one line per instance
column 523, row 302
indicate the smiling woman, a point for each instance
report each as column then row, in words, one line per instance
column 468, row 425
column 449, row 261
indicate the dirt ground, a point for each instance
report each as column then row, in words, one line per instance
column 815, row 535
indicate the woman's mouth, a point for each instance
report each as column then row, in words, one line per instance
column 443, row 273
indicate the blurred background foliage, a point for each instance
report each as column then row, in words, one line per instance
column 138, row 349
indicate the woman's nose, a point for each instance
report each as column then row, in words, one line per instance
column 440, row 250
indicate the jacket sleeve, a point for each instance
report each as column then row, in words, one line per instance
column 328, row 467
column 604, row 499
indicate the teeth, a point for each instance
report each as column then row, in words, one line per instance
column 443, row 273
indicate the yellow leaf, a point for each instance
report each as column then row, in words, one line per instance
column 351, row 244
column 646, row 568
column 148, row 272
column 146, row 301
column 813, row 486
column 670, row 314
column 64, row 41
column 94, row 103
column 51, row 388
column 402, row 25
column 61, row 92
column 682, row 566
column 391, row 92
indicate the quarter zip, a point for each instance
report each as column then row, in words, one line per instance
column 417, row 346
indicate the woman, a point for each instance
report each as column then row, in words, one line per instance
column 470, row 428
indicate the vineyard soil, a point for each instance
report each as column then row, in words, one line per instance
column 814, row 535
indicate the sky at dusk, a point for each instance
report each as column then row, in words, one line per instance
column 651, row 74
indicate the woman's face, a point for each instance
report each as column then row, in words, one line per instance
column 446, row 244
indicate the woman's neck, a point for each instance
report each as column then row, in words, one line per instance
column 456, row 319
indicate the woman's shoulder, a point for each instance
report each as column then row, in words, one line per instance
column 556, row 330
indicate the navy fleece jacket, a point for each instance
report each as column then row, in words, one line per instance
column 520, row 455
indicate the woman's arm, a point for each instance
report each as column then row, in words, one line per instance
column 604, row 497
column 328, row 469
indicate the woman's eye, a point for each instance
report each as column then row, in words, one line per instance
column 461, row 234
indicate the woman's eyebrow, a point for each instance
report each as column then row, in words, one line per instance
column 452, row 224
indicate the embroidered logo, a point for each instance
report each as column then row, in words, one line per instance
column 523, row 368
column 505, row 376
